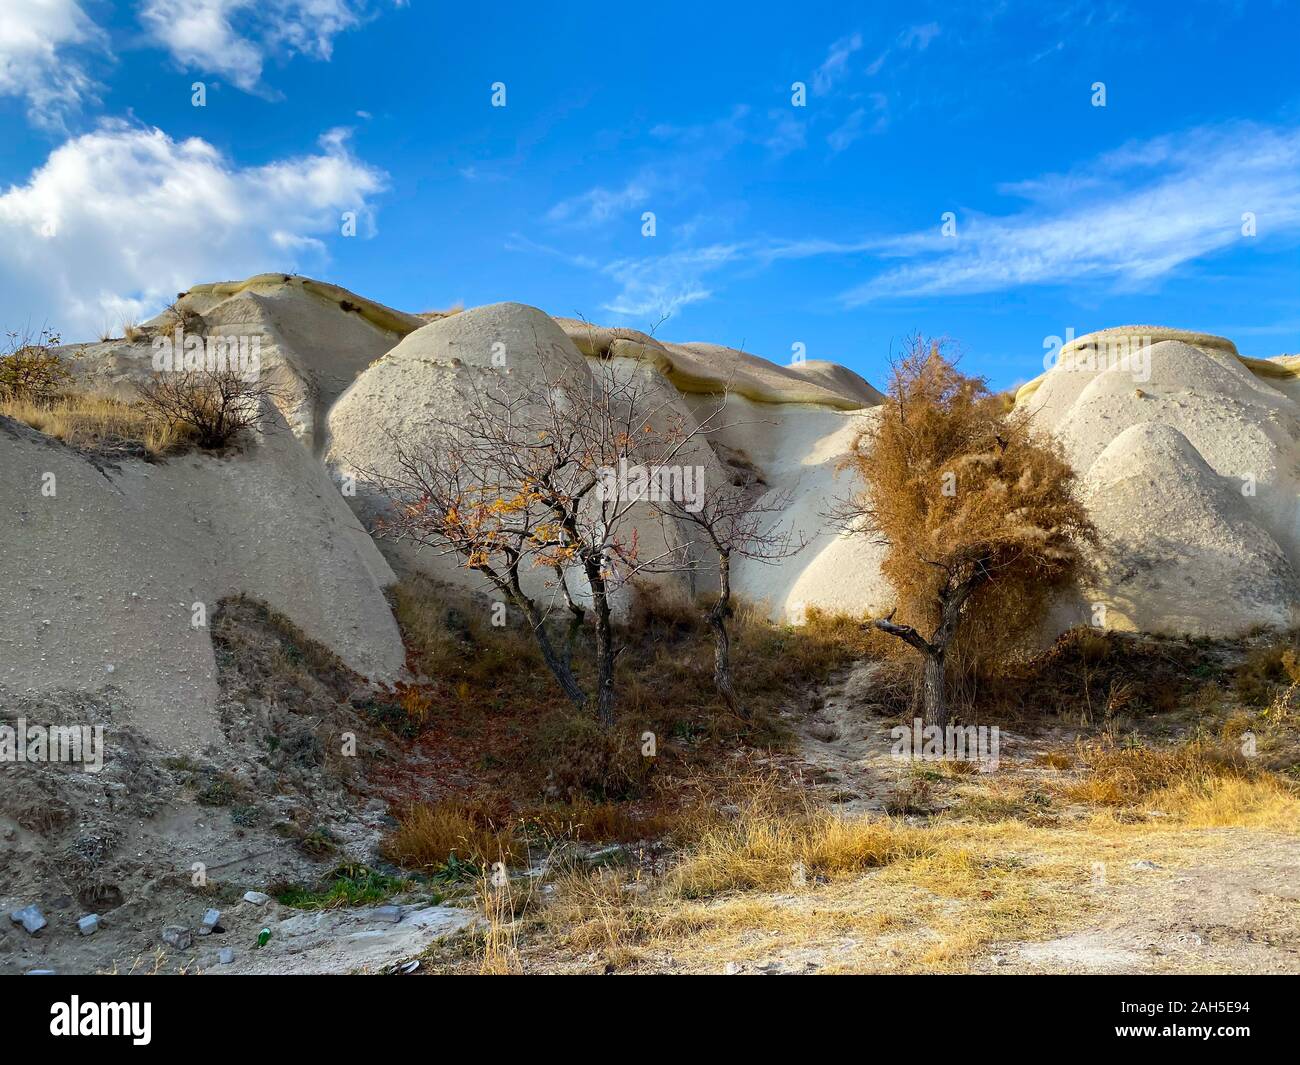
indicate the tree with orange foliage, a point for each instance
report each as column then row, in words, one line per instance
column 980, row 513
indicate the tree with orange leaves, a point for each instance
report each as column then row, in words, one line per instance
column 980, row 513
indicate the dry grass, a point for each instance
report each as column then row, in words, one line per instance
column 98, row 423
column 770, row 850
column 496, row 906
column 1128, row 776
column 427, row 836
column 879, row 894
column 488, row 693
column 598, row 822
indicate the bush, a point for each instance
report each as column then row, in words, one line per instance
column 584, row 760
column 30, row 372
column 430, row 837
column 1263, row 670
column 213, row 405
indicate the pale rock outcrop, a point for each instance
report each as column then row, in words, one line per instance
column 1174, row 433
column 1181, row 552
column 1238, row 417
column 312, row 340
column 102, row 567
column 403, row 401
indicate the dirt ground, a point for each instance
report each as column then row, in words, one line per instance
column 1051, row 888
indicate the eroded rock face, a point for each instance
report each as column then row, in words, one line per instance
column 104, row 564
column 356, row 376
column 1182, row 552
column 1191, row 459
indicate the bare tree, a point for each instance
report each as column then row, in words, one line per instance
column 735, row 521
column 450, row 495
column 528, row 475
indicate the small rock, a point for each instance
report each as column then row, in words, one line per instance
column 392, row 914
column 209, row 922
column 30, row 917
column 226, row 956
column 615, row 855
column 1144, row 864
column 256, row 898
column 89, row 924
column 176, row 936
column 731, row 969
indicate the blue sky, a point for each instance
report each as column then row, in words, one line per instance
column 774, row 224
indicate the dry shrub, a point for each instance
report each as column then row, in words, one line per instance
column 1091, row 676
column 980, row 511
column 214, row 406
column 1264, row 669
column 582, row 759
column 31, row 373
column 427, row 836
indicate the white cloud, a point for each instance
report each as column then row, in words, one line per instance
column 919, row 37
column 836, row 63
column 787, row 135
column 857, row 124
column 233, row 38
column 914, row 38
column 661, row 285
column 117, row 221
column 1127, row 218
column 37, row 42
column 600, row 204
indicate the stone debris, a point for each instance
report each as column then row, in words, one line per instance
column 178, row 937
column 31, row 918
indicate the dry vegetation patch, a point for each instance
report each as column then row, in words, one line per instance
column 100, row 424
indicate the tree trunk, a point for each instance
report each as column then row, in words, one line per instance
column 559, row 665
column 722, row 641
column 604, row 646
column 933, row 689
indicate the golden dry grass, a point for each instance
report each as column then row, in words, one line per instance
column 427, row 835
column 90, row 421
column 880, row 894
column 1125, row 776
